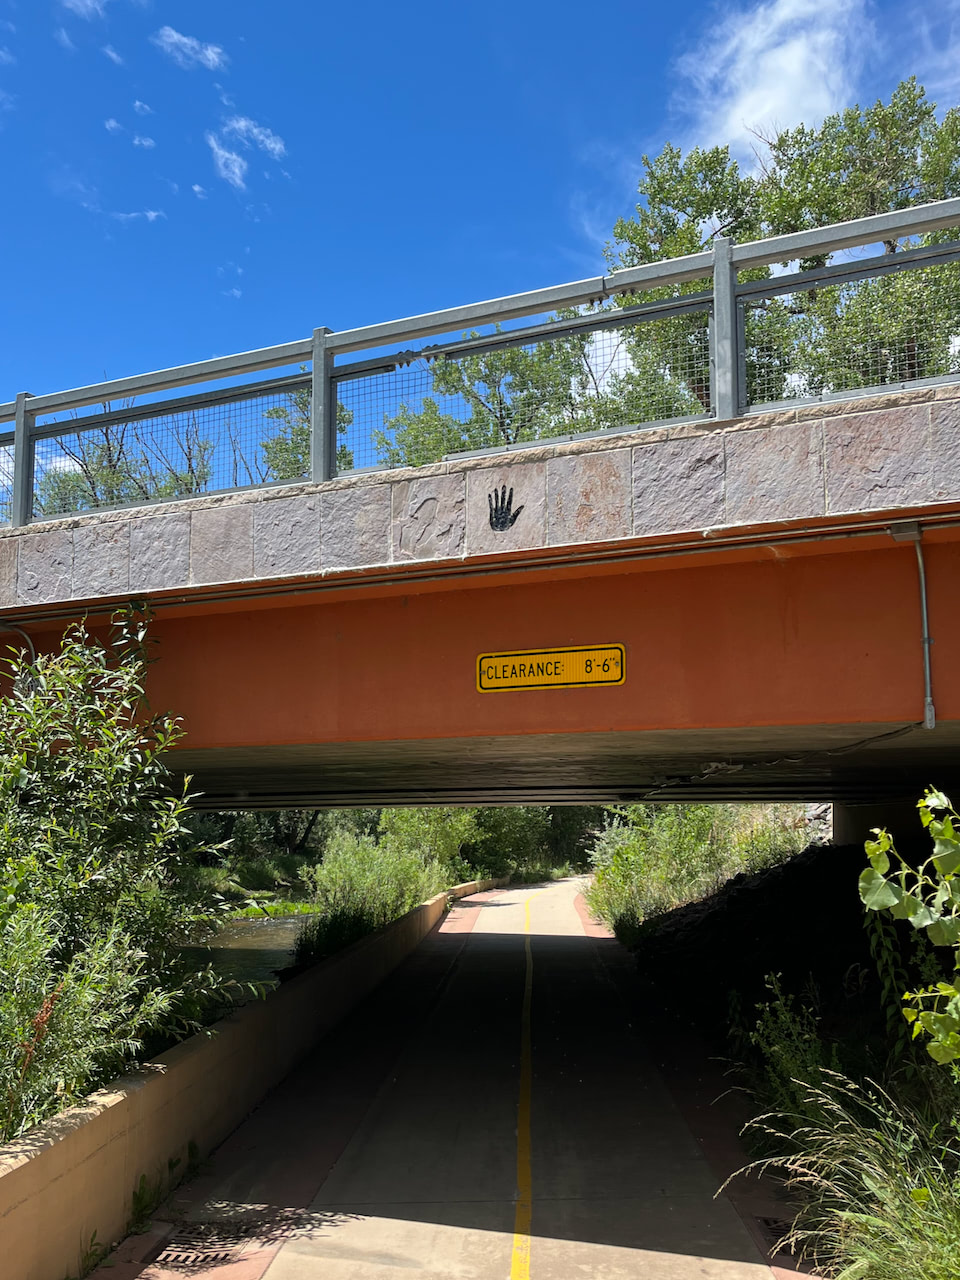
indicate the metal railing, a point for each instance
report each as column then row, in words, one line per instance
column 644, row 345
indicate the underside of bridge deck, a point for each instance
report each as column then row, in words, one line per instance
column 854, row 763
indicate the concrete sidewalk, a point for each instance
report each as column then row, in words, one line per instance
column 489, row 1112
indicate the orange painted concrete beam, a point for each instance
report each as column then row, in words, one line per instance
column 825, row 634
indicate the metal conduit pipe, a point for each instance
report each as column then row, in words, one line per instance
column 911, row 532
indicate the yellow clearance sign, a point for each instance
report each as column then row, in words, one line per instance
column 552, row 668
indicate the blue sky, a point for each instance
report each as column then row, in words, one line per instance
column 185, row 180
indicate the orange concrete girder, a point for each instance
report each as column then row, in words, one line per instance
column 825, row 634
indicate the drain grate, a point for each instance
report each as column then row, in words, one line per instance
column 200, row 1245
column 774, row 1229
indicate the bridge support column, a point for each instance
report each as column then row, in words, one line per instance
column 853, row 824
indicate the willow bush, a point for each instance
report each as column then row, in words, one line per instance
column 94, row 904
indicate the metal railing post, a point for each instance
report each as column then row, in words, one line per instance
column 21, row 504
column 725, row 392
column 323, row 410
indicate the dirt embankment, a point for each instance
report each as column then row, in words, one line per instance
column 803, row 920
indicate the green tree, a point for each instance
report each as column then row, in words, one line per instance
column 892, row 328
column 287, row 453
column 123, row 464
column 858, row 162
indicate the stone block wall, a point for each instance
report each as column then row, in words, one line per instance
column 887, row 452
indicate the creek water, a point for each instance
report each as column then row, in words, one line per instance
column 250, row 950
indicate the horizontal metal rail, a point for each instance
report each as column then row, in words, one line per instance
column 592, row 322
column 164, row 408
column 845, row 272
column 722, row 262
column 166, row 379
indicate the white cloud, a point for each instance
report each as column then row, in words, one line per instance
column 6, row 57
column 232, row 293
column 187, row 51
column 109, row 51
column 769, row 66
column 228, row 165
column 150, row 215
column 252, row 134
column 6, row 100
column 63, row 40
column 147, row 143
column 142, row 109
column 86, row 8
column 68, row 184
column 7, row 25
column 198, row 191
column 113, row 126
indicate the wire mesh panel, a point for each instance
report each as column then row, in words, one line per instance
column 6, row 483
column 498, row 391
column 894, row 328
column 228, row 440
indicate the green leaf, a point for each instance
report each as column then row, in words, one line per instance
column 946, row 856
column 936, row 800
column 921, row 915
column 876, row 893
column 878, row 857
column 944, row 932
column 920, row 1195
column 942, row 1053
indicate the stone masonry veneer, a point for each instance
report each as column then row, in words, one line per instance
column 887, row 452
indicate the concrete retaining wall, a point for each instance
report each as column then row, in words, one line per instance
column 71, row 1181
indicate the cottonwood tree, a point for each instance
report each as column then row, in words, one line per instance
column 892, row 328
column 858, row 162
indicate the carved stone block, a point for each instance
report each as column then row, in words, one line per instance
column 678, row 485
column 429, row 517
column 355, row 524
column 495, row 496
column 221, row 544
column 286, row 536
column 589, row 497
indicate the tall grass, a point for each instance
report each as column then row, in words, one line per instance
column 879, row 1183
column 651, row 858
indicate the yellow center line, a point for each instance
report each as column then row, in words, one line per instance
column 520, row 1265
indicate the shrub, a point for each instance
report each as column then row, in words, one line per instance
column 93, row 906
column 651, row 858
column 928, row 897
column 362, row 885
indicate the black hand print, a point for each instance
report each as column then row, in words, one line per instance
column 500, row 510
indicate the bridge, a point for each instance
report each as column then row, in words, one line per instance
column 771, row 546
column 690, row 530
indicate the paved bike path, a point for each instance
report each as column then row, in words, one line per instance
column 489, row 1112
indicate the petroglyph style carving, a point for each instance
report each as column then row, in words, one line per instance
column 501, row 517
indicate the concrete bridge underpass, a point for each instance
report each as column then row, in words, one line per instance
column 754, row 602
column 776, row 582
column 771, row 647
